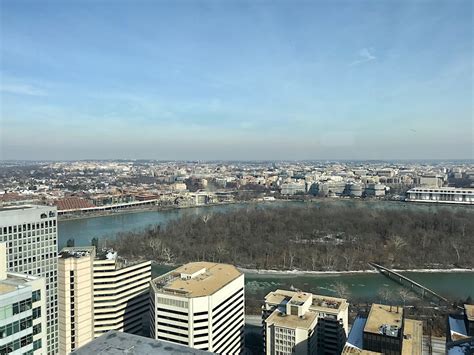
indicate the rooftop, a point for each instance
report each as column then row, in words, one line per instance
column 76, row 252
column 469, row 310
column 351, row 350
column 196, row 279
column 290, row 321
column 384, row 319
column 117, row 343
column 412, row 337
column 15, row 281
column 319, row 303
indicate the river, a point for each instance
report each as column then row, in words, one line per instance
column 361, row 286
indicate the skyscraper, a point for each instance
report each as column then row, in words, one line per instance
column 31, row 236
column 99, row 292
column 200, row 305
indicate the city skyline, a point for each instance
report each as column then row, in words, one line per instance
column 236, row 80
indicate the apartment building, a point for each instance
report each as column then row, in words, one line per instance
column 98, row 292
column 385, row 330
column 200, row 305
column 31, row 236
column 303, row 323
column 22, row 311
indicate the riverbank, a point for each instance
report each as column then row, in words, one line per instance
column 332, row 272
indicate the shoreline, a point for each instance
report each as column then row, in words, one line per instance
column 155, row 208
column 323, row 273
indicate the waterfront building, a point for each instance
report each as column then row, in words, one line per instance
column 200, row 305
column 293, row 188
column 118, row 343
column 375, row 190
column 303, row 323
column 22, row 311
column 99, row 292
column 31, row 236
column 385, row 330
column 441, row 195
column 431, row 180
column 460, row 332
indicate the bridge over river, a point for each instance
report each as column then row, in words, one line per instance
column 405, row 281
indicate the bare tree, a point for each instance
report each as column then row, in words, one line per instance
column 341, row 290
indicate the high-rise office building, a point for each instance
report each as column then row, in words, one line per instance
column 31, row 236
column 99, row 291
column 75, row 298
column 200, row 305
column 303, row 323
column 22, row 311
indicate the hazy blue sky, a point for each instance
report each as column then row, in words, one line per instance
column 236, row 79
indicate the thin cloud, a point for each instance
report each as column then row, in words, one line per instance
column 364, row 56
column 22, row 89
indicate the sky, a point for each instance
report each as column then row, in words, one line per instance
column 236, row 80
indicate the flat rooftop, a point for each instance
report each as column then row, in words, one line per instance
column 318, row 303
column 412, row 337
column 210, row 278
column 351, row 350
column 380, row 315
column 469, row 310
column 76, row 252
column 118, row 343
column 15, row 281
column 290, row 321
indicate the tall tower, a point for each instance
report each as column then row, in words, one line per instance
column 99, row 292
column 200, row 305
column 31, row 236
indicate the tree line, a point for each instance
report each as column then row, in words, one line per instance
column 316, row 237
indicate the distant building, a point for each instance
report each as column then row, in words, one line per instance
column 441, row 195
column 431, row 180
column 200, row 305
column 22, row 311
column 118, row 343
column 32, row 237
column 460, row 332
column 375, row 190
column 303, row 323
column 385, row 330
column 293, row 188
column 99, row 292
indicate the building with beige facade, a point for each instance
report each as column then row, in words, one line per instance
column 303, row 323
column 98, row 292
column 200, row 305
column 22, row 311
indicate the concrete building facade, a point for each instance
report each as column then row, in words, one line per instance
column 22, row 311
column 99, row 292
column 31, row 236
column 200, row 305
column 449, row 195
column 303, row 323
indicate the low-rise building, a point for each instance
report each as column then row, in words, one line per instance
column 449, row 195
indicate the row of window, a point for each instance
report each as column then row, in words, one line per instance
column 15, row 327
column 17, row 344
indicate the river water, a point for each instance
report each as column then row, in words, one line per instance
column 362, row 287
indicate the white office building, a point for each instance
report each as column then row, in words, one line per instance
column 31, row 236
column 22, row 311
column 200, row 305
column 450, row 195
